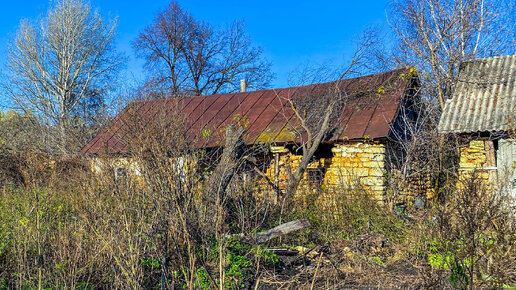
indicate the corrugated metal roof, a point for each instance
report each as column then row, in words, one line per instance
column 484, row 98
column 266, row 113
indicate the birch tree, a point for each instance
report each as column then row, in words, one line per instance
column 60, row 63
column 436, row 36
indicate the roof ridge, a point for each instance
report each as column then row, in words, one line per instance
column 406, row 68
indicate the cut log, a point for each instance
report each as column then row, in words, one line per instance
column 278, row 231
column 283, row 252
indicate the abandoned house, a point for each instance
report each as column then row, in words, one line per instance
column 482, row 112
column 355, row 149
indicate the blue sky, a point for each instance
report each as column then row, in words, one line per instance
column 292, row 33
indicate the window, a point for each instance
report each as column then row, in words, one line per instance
column 121, row 175
column 315, row 176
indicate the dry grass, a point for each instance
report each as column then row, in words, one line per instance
column 64, row 227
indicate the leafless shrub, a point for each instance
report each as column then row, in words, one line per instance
column 181, row 193
column 422, row 162
column 477, row 234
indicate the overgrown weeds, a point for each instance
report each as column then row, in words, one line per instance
column 67, row 227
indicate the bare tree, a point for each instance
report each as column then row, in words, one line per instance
column 314, row 117
column 436, row 36
column 185, row 55
column 62, row 64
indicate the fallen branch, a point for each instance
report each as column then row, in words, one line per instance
column 278, row 231
column 283, row 252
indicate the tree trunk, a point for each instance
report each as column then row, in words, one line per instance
column 215, row 189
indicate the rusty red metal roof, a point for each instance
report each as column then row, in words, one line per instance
column 370, row 107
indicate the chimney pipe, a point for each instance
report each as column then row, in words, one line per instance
column 243, row 86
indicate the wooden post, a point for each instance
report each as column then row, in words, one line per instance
column 276, row 175
column 491, row 163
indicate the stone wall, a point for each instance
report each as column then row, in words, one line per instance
column 477, row 156
column 101, row 165
column 353, row 163
column 473, row 155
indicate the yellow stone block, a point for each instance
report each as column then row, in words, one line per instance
column 373, row 164
column 352, row 165
column 337, row 149
column 476, row 144
column 361, row 172
column 377, row 188
column 352, row 150
column 377, row 172
column 372, row 181
column 377, row 150
column 378, row 157
column 470, row 164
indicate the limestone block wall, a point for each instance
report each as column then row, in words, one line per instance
column 99, row 165
column 362, row 163
column 353, row 163
column 416, row 185
column 475, row 156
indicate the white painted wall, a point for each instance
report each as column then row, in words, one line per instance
column 506, row 163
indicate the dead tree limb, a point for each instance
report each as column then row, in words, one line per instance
column 276, row 188
column 280, row 230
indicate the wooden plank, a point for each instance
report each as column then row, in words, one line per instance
column 491, row 161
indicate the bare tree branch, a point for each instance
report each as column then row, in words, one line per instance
column 436, row 36
column 187, row 56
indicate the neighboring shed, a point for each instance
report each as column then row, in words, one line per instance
column 354, row 150
column 483, row 112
